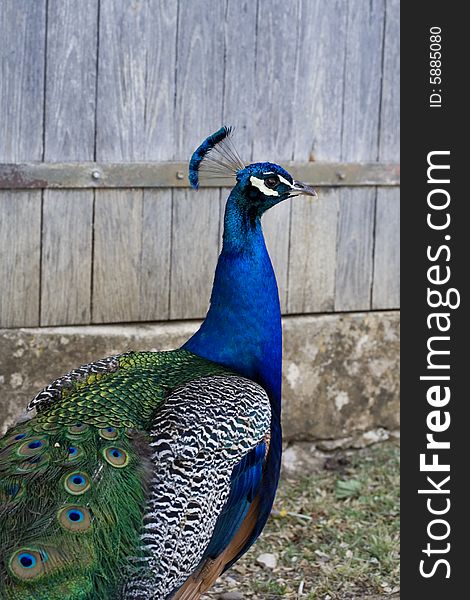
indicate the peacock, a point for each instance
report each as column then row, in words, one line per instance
column 145, row 475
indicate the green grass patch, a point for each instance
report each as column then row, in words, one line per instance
column 349, row 546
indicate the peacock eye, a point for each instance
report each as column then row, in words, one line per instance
column 271, row 182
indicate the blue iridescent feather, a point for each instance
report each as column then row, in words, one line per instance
column 216, row 157
column 245, row 482
column 201, row 152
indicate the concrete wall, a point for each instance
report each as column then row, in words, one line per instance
column 341, row 371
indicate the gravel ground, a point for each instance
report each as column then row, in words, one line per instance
column 334, row 534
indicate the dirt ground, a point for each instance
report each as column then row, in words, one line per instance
column 334, row 534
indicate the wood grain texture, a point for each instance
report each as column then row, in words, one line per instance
column 135, row 121
column 154, row 269
column 117, row 256
column 71, row 80
column 319, row 89
column 120, row 122
column 318, row 101
column 389, row 143
column 136, row 87
column 362, row 80
column 277, row 51
column 386, row 289
column 276, row 59
column 66, row 257
column 386, row 286
column 354, row 252
column 120, row 128
column 312, row 257
column 69, row 134
column 199, row 103
column 194, row 252
column 160, row 83
column 199, row 73
column 360, row 137
column 22, row 48
column 132, row 251
column 239, row 98
column 20, row 227
column 276, row 227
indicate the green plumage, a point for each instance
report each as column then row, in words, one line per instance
column 64, row 528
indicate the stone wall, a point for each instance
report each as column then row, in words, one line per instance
column 341, row 372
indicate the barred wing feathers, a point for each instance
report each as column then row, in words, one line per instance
column 203, row 432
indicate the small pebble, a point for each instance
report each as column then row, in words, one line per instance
column 269, row 561
column 229, row 581
column 231, row 596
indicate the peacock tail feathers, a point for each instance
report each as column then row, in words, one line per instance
column 64, row 528
column 74, row 477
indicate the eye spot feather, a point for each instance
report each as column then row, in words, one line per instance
column 116, row 457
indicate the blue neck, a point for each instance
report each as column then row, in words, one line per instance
column 242, row 329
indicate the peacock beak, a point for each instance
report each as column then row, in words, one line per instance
column 302, row 188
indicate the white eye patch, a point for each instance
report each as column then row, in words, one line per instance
column 284, row 180
column 259, row 183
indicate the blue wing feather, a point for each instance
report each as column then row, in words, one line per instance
column 270, row 482
column 244, row 485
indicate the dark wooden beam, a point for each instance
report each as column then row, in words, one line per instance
column 174, row 174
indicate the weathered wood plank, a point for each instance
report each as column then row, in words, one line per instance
column 318, row 92
column 318, row 101
column 194, row 252
column 135, row 122
column 71, row 80
column 132, row 255
column 69, row 135
column 389, row 146
column 199, row 74
column 117, row 256
column 120, row 122
column 276, row 226
column 160, row 84
column 360, row 136
column 20, row 227
column 199, row 101
column 22, row 35
column 174, row 174
column 154, row 269
column 386, row 285
column 136, row 87
column 276, row 57
column 312, row 257
column 362, row 80
column 120, row 114
column 355, row 246
column 66, row 257
column 240, row 76
column 386, row 288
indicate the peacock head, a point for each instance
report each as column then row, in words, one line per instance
column 259, row 186
column 263, row 185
